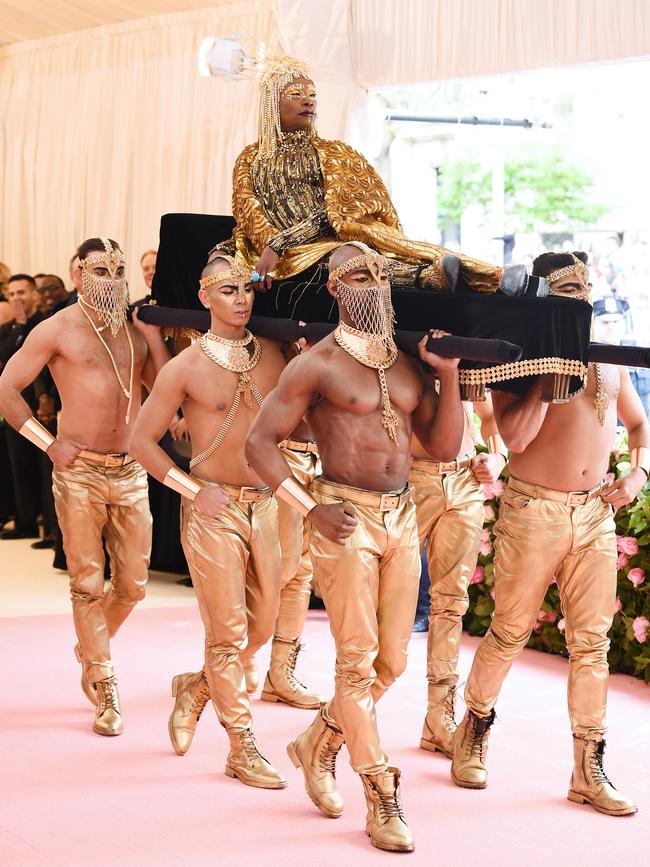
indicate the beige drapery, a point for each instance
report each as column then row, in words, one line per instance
column 405, row 41
column 105, row 130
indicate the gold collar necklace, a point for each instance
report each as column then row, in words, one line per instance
column 128, row 392
column 376, row 351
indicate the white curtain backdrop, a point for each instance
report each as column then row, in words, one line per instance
column 104, row 130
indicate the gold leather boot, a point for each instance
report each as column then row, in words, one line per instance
column 87, row 685
column 251, row 675
column 589, row 782
column 315, row 751
column 108, row 720
column 192, row 693
column 439, row 723
column 246, row 764
column 281, row 683
column 469, row 751
column 385, row 822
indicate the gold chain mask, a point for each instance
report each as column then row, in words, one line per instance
column 279, row 72
column 107, row 296
column 563, row 280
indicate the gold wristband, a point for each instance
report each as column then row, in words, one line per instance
column 496, row 446
column 292, row 492
column 183, row 484
column 640, row 457
column 34, row 431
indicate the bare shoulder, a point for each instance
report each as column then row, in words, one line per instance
column 272, row 349
column 306, row 369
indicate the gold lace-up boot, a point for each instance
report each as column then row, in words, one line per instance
column 469, row 750
column 315, row 752
column 251, row 675
column 192, row 693
column 439, row 723
column 385, row 822
column 108, row 720
column 87, row 685
column 281, row 683
column 246, row 764
column 590, row 784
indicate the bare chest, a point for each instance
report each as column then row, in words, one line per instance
column 359, row 390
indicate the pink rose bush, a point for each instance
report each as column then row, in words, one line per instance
column 640, row 629
column 636, row 576
column 627, row 545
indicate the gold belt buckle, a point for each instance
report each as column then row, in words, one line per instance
column 114, row 460
column 250, row 495
column 578, row 499
column 449, row 467
column 387, row 502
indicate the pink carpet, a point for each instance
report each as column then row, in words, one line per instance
column 73, row 798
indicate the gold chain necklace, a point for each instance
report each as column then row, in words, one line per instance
column 231, row 355
column 601, row 400
column 379, row 352
column 128, row 392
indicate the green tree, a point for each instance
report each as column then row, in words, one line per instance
column 544, row 188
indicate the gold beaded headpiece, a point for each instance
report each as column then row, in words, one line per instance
column 369, row 307
column 577, row 272
column 237, row 273
column 279, row 72
column 107, row 296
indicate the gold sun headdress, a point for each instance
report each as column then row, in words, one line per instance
column 107, row 296
column 278, row 73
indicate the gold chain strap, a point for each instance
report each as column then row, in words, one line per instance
column 601, row 400
column 128, row 393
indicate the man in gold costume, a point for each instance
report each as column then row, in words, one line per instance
column 228, row 517
column 449, row 505
column 556, row 520
column 296, row 196
column 362, row 398
column 98, row 361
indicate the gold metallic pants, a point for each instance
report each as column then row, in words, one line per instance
column 450, row 519
column 93, row 501
column 294, row 549
column 234, row 561
column 536, row 539
column 370, row 588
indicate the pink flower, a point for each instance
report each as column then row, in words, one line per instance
column 561, row 625
column 640, row 629
column 489, row 514
column 617, row 605
column 622, row 561
column 537, row 628
column 627, row 545
column 477, row 577
column 610, row 478
column 548, row 616
column 486, row 545
column 493, row 489
column 636, row 576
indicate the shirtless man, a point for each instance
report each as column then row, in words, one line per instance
column 362, row 398
column 556, row 519
column 449, row 505
column 98, row 361
column 228, row 517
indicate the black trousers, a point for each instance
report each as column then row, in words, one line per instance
column 25, row 473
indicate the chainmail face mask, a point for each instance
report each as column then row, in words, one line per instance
column 108, row 296
column 563, row 281
column 369, row 307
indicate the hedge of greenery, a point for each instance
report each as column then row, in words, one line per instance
column 630, row 633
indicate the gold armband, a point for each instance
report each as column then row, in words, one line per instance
column 496, row 446
column 292, row 492
column 34, row 431
column 640, row 458
column 183, row 484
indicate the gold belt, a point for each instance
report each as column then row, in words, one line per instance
column 241, row 494
column 439, row 468
column 569, row 498
column 385, row 502
column 112, row 459
column 299, row 446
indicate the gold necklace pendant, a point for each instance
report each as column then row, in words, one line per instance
column 601, row 401
column 232, row 355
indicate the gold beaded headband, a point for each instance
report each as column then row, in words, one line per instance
column 368, row 258
column 237, row 274
column 279, row 72
column 111, row 256
column 578, row 268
